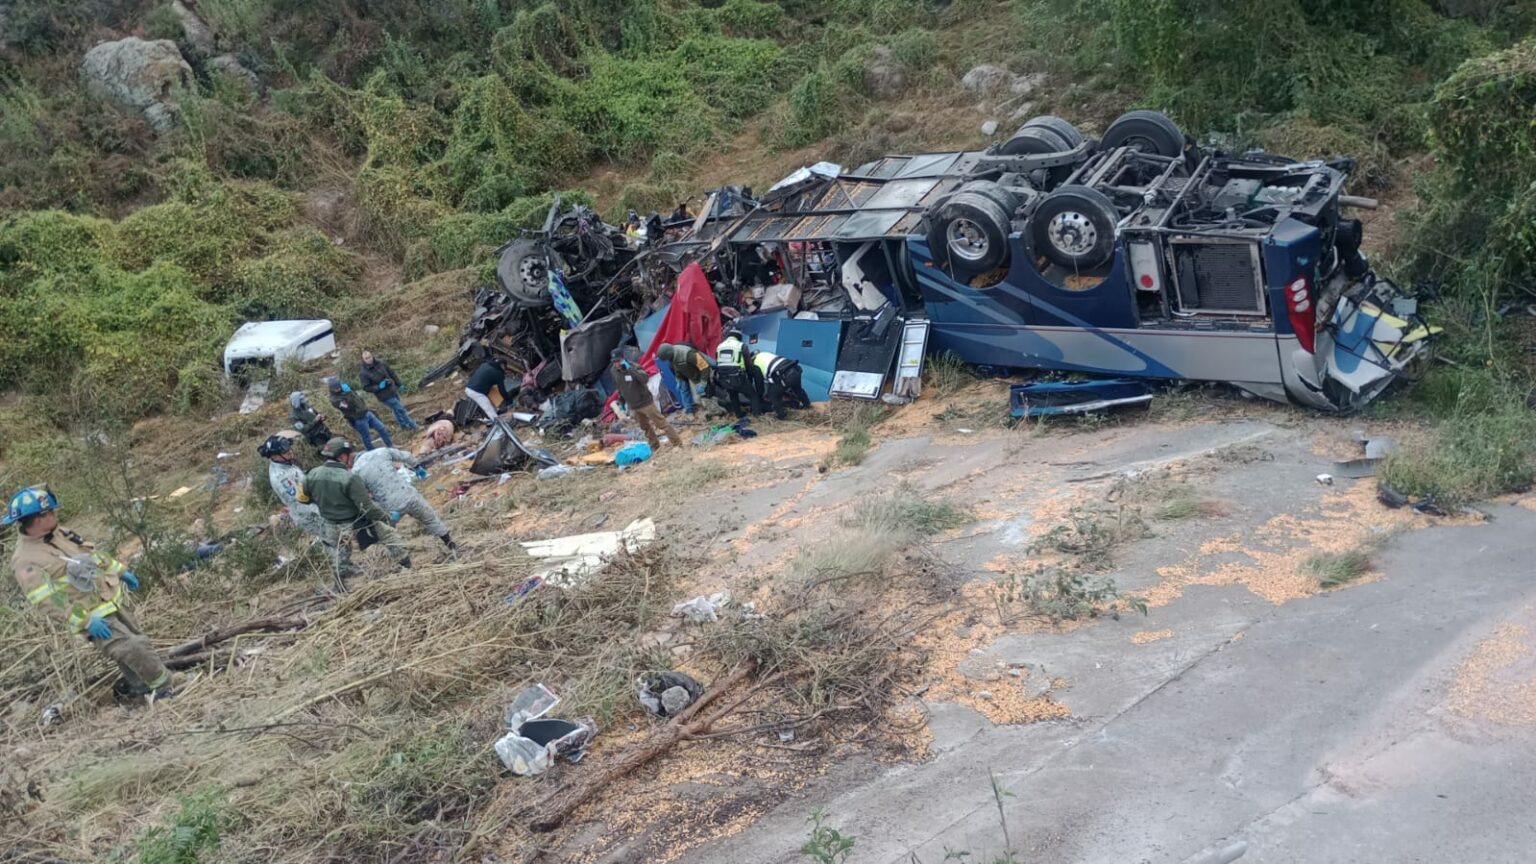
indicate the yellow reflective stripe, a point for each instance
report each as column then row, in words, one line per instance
column 45, row 590
column 108, row 563
column 102, row 611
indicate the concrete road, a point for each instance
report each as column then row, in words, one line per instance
column 1320, row 730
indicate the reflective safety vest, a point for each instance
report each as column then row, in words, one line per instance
column 42, row 570
column 731, row 353
column 768, row 364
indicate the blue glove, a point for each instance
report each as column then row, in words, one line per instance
column 383, row 384
column 98, row 629
column 346, row 388
column 394, row 517
column 421, row 473
column 130, row 581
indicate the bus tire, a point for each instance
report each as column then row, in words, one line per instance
column 969, row 234
column 523, row 271
column 1074, row 227
column 1151, row 131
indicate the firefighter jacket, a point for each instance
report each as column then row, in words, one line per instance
column 67, row 578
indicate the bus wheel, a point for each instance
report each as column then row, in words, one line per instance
column 1075, row 228
column 969, row 234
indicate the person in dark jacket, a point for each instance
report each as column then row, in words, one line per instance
column 635, row 393
column 307, row 421
column 355, row 410
column 488, row 376
column 382, row 382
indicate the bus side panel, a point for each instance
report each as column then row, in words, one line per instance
column 1181, row 354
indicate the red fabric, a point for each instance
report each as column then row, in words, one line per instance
column 693, row 317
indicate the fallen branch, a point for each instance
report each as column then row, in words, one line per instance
column 551, row 811
column 194, row 646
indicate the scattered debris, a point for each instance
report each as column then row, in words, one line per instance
column 573, row 558
column 1325, row 479
column 1052, row 398
column 532, row 743
column 702, row 609
column 554, row 471
column 1376, row 450
column 665, row 694
column 632, row 454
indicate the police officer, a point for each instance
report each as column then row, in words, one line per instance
column 65, row 577
column 734, row 376
column 781, row 383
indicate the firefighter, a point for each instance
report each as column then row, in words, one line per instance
column 734, row 376
column 781, row 383
column 347, row 510
column 64, row 576
column 394, row 491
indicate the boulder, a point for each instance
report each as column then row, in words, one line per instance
column 228, row 68
column 199, row 35
column 139, row 74
column 987, row 79
column 883, row 77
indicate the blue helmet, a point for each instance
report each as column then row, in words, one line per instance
column 29, row 502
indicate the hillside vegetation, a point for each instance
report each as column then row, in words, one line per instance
column 389, row 147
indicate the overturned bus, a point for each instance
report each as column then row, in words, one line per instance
column 1138, row 254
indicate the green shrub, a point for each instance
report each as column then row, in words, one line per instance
column 302, row 270
column 916, row 49
column 815, row 110
column 194, row 833
column 51, row 241
column 734, row 75
column 750, row 19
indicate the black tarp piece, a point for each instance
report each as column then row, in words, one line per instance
column 869, row 349
column 584, row 351
column 503, row 451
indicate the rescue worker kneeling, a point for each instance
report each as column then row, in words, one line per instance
column 734, row 384
column 781, row 383
column 66, row 577
column 348, row 511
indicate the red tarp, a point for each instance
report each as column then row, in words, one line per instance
column 693, row 317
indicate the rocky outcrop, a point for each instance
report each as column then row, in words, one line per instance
column 139, row 74
column 229, row 68
column 883, row 77
column 200, row 37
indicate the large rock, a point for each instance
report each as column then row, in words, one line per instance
column 987, row 79
column 229, row 68
column 883, row 77
column 139, row 74
column 199, row 35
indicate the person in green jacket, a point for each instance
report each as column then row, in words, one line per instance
column 347, row 510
